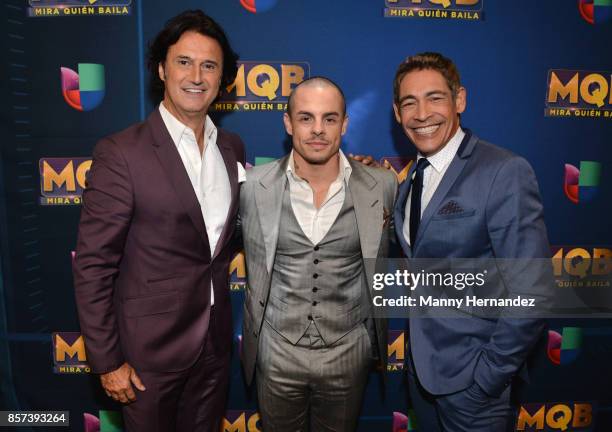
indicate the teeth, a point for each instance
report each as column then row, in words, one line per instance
column 194, row 90
column 427, row 130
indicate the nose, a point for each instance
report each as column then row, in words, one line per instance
column 196, row 75
column 317, row 127
column 422, row 112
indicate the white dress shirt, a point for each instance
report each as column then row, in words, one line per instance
column 432, row 175
column 207, row 174
column 315, row 223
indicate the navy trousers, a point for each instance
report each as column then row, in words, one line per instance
column 467, row 410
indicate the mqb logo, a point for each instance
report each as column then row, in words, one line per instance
column 262, row 86
column 441, row 9
column 579, row 93
column 396, row 351
column 237, row 271
column 241, row 421
column 66, row 8
column 69, row 353
column 400, row 165
column 561, row 416
column 62, row 180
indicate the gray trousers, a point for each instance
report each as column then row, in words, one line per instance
column 310, row 386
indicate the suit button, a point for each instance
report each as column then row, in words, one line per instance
column 315, row 275
column 316, row 261
column 316, row 248
column 315, row 289
column 314, row 303
column 310, row 317
column 261, row 303
column 255, row 334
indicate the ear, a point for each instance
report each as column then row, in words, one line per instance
column 461, row 100
column 161, row 72
column 287, row 121
column 398, row 118
column 345, row 124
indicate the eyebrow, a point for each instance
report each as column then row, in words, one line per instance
column 186, row 57
column 430, row 93
column 327, row 114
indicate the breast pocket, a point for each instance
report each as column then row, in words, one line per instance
column 451, row 216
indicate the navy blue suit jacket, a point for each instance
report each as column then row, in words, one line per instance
column 500, row 216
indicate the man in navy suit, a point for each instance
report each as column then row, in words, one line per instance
column 464, row 198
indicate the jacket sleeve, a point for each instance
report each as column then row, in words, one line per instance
column 105, row 220
column 515, row 223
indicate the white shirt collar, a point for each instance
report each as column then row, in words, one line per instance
column 176, row 128
column 444, row 157
column 343, row 173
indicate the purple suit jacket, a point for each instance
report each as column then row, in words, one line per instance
column 143, row 265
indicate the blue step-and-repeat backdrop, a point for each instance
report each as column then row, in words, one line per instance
column 539, row 82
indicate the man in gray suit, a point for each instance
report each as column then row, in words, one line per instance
column 308, row 220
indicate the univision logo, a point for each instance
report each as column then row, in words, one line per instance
column 595, row 11
column 109, row 421
column 403, row 422
column 581, row 185
column 84, row 90
column 256, row 6
column 564, row 348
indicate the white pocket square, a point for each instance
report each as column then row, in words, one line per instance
column 241, row 173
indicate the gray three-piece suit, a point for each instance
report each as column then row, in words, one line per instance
column 306, row 331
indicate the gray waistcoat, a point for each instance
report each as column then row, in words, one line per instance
column 324, row 283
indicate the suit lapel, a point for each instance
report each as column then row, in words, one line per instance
column 400, row 211
column 171, row 162
column 450, row 176
column 269, row 200
column 229, row 158
column 367, row 196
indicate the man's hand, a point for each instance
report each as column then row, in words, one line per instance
column 370, row 161
column 118, row 383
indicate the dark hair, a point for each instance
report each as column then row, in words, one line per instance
column 428, row 60
column 311, row 81
column 191, row 20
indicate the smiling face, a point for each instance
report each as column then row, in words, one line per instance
column 316, row 123
column 192, row 75
column 427, row 110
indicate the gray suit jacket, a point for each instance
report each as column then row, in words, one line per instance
column 373, row 192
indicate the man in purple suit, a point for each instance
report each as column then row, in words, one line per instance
column 151, row 268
